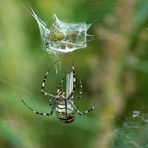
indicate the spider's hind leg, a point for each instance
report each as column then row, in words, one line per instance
column 60, row 86
column 36, row 112
column 86, row 111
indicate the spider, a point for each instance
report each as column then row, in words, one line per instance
column 62, row 102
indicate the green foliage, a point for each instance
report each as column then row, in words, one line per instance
column 113, row 69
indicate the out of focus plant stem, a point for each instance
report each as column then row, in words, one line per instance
column 115, row 41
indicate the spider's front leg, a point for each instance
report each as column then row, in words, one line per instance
column 44, row 82
column 43, row 86
column 59, row 91
column 80, row 93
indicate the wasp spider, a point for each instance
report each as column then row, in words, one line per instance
column 62, row 102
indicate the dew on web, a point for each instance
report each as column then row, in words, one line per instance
column 133, row 132
column 62, row 37
column 135, row 114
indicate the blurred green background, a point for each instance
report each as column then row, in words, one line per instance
column 113, row 69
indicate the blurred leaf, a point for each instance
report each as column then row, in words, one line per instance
column 10, row 135
column 140, row 23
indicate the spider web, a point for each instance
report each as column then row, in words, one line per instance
column 133, row 132
column 62, row 37
column 69, row 84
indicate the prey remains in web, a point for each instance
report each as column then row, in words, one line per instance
column 62, row 37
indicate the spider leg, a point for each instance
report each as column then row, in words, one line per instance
column 43, row 86
column 65, row 101
column 44, row 82
column 86, row 111
column 39, row 113
column 60, row 86
column 80, row 93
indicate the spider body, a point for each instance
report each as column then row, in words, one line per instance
column 64, row 115
column 62, row 102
